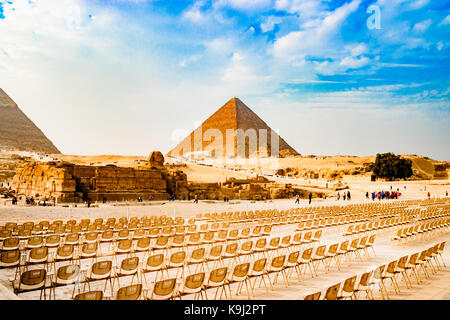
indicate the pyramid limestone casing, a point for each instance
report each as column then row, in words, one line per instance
column 232, row 116
column 17, row 131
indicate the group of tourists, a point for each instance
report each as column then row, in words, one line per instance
column 384, row 195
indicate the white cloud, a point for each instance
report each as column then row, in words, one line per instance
column 189, row 60
column 422, row 26
column 315, row 40
column 445, row 21
column 354, row 63
column 307, row 9
column 242, row 4
column 220, row 45
column 359, row 50
column 194, row 13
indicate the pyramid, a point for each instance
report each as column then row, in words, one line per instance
column 233, row 115
column 18, row 132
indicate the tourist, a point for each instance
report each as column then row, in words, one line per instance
column 367, row 194
column 446, row 193
column 348, row 195
column 428, row 194
column 373, row 196
column 338, row 196
column 344, row 195
column 196, row 199
column 297, row 198
column 310, row 197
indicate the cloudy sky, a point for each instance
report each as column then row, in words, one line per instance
column 129, row 77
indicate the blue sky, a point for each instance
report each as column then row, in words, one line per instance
column 129, row 77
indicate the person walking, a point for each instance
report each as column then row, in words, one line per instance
column 196, row 199
column 428, row 194
column 367, row 194
column 310, row 197
column 446, row 193
column 297, row 198
column 348, row 195
column 343, row 196
column 338, row 196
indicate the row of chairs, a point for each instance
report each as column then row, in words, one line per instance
column 375, row 226
column 157, row 262
column 426, row 230
column 352, row 287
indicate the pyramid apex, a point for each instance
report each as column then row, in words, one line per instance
column 5, row 100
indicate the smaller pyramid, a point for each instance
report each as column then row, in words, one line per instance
column 233, row 116
column 18, row 132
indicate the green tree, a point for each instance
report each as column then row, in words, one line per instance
column 391, row 166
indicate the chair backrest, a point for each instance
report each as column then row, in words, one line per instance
column 247, row 245
column 35, row 241
column 216, row 251
column 365, row 278
column 164, row 288
column 344, row 245
column 307, row 254
column 274, row 242
column 33, row 277
column 391, row 266
column 132, row 292
column 91, row 295
column 297, row 238
column 198, row 254
column 349, row 284
column 194, row 281
column 241, row 270
column 89, row 248
column 278, row 262
column 91, row 236
column 143, row 243
column 218, row 275
column 10, row 257
column 125, row 244
column 162, row 241
column 178, row 257
column 231, row 248
column 261, row 243
column 39, row 253
column 378, row 272
column 68, row 273
column 259, row 265
column 320, row 251
column 65, row 250
column 332, row 249
column 155, row 260
column 313, row 296
column 402, row 262
column 129, row 264
column 332, row 292
column 101, row 267
column 293, row 257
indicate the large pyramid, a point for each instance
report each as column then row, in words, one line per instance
column 18, row 132
column 233, row 115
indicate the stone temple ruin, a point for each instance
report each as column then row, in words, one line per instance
column 66, row 182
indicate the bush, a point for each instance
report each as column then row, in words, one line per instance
column 390, row 166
